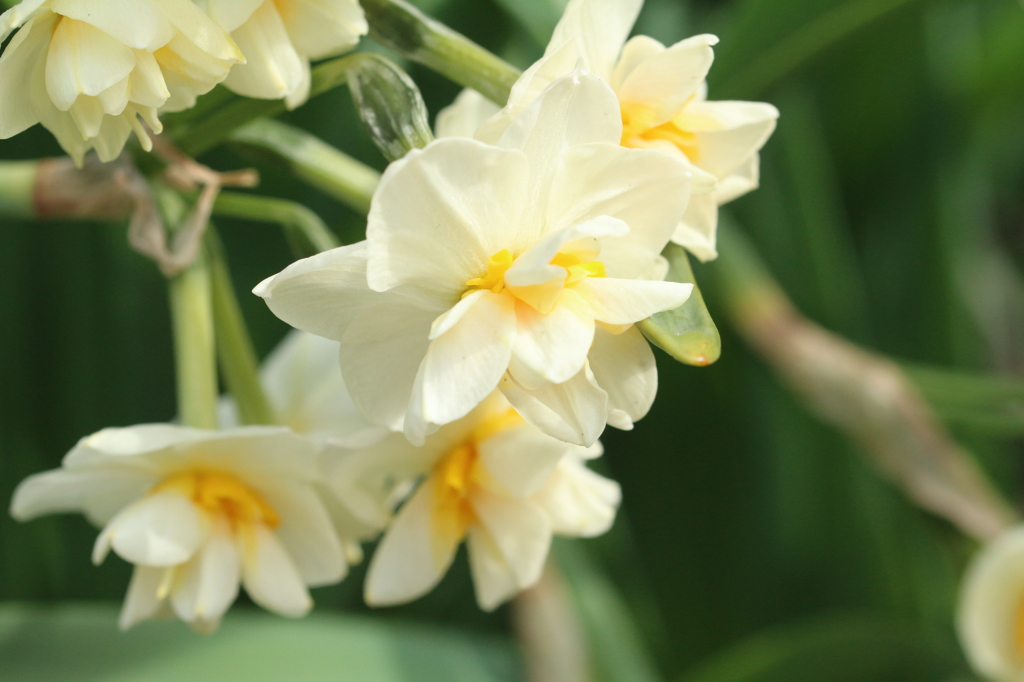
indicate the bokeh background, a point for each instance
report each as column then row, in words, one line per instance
column 754, row 542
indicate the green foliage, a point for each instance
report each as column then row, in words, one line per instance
column 890, row 211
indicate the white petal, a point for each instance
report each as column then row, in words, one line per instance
column 520, row 460
column 990, row 608
column 269, row 575
column 647, row 190
column 579, row 502
column 463, row 366
column 164, row 529
column 140, row 25
column 305, row 531
column 128, row 446
column 84, row 60
column 208, row 584
column 412, row 557
column 625, row 368
column 99, row 494
column 230, row 14
column 625, row 301
column 574, row 110
column 734, row 132
column 440, row 213
column 600, row 27
column 521, row 532
column 554, row 346
column 744, row 179
column 465, row 115
column 21, row 66
column 494, row 580
column 143, row 599
column 636, row 51
column 658, row 88
column 18, row 16
column 272, row 68
column 697, row 230
column 574, row 411
column 324, row 28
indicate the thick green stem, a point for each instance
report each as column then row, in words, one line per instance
column 305, row 231
column 234, row 345
column 17, row 188
column 192, row 320
column 408, row 31
column 314, row 161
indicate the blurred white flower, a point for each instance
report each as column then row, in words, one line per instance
column 991, row 615
column 197, row 512
column 490, row 479
column 88, row 70
column 663, row 100
column 523, row 264
column 280, row 37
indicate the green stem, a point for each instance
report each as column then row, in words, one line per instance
column 314, row 161
column 306, row 232
column 192, row 321
column 234, row 345
column 208, row 132
column 405, row 29
column 17, row 188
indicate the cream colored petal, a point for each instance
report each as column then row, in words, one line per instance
column 637, row 50
column 99, row 494
column 440, row 213
column 324, row 28
column 305, row 531
column 164, row 529
column 554, row 345
column 579, row 502
column 991, row 608
column 273, row 68
column 130, row 445
column 143, row 600
column 521, row 532
column 626, row 301
column 574, row 411
column 198, row 29
column 135, row 23
column 520, row 460
column 269, row 575
column 113, row 135
column 18, row 16
column 462, row 366
column 230, row 14
column 494, row 581
column 658, row 88
column 697, row 231
column 465, row 115
column 208, row 584
column 744, row 179
column 575, row 110
column 645, row 189
column 624, row 367
column 413, row 556
column 600, row 27
column 728, row 133
column 84, row 60
column 22, row 66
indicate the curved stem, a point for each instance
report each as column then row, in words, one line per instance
column 306, row 232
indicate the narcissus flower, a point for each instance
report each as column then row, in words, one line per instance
column 197, row 512
column 523, row 264
column 490, row 479
column 280, row 37
column 662, row 99
column 991, row 616
column 89, row 70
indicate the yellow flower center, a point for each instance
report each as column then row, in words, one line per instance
column 456, row 477
column 222, row 495
column 640, row 132
column 543, row 297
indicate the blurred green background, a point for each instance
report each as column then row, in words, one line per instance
column 754, row 543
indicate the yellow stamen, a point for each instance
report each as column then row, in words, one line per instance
column 543, row 296
column 494, row 279
column 222, row 495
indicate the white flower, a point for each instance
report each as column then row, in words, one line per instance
column 662, row 96
column 197, row 512
column 991, row 615
column 490, row 479
column 89, row 69
column 280, row 37
column 523, row 264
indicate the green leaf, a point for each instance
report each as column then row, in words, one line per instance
column 538, row 17
column 687, row 333
column 389, row 105
column 981, row 402
column 82, row 643
column 848, row 648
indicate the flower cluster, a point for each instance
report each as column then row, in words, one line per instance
column 486, row 326
column 94, row 71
